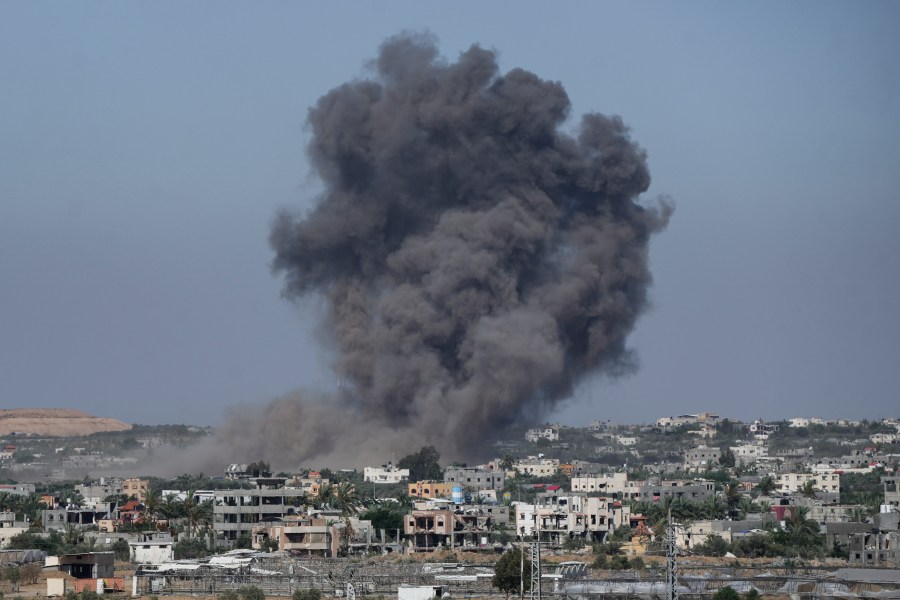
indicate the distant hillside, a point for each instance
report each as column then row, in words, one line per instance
column 61, row 422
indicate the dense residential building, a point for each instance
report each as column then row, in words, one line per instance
column 235, row 512
column 795, row 482
column 701, row 458
column 95, row 494
column 761, row 430
column 136, row 488
column 693, row 490
column 612, row 485
column 555, row 517
column 474, row 478
column 430, row 489
column 747, row 454
column 537, row 466
column 549, row 432
column 673, row 422
column 385, row 474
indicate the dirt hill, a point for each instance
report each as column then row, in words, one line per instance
column 61, row 422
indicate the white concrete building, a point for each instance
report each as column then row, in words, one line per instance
column 385, row 474
column 610, row 485
column 794, row 482
column 152, row 548
column 549, row 432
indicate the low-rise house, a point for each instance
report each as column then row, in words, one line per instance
column 10, row 527
column 698, row 532
column 60, row 518
column 88, row 565
column 17, row 489
column 152, row 548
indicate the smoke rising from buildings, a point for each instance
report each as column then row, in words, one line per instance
column 478, row 258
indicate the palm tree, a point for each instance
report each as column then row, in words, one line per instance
column 858, row 514
column 800, row 530
column 170, row 507
column 714, row 507
column 343, row 497
column 767, row 485
column 809, row 489
column 151, row 507
column 746, row 505
column 732, row 496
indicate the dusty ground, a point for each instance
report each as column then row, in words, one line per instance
column 62, row 422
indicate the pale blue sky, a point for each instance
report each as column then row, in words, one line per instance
column 144, row 148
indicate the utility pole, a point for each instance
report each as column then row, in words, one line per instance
column 671, row 565
column 536, row 558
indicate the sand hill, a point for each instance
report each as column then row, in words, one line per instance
column 61, row 422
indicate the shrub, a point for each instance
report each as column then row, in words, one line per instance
column 726, row 593
column 310, row 594
column 251, row 592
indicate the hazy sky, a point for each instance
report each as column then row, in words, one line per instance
column 145, row 147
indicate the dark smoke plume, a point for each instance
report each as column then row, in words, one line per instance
column 477, row 259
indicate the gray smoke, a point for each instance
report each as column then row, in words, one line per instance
column 478, row 260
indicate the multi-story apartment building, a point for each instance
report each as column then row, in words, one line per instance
column 236, row 512
column 692, row 490
column 475, row 479
column 537, row 466
column 794, row 482
column 557, row 517
column 136, row 488
column 701, row 457
column 612, row 485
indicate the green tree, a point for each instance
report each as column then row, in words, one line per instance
column 121, row 549
column 767, row 485
column 809, row 489
column 307, row 594
column 251, row 592
column 508, row 572
column 386, row 516
column 13, row 576
column 726, row 593
column 713, row 545
column 726, row 458
column 422, row 465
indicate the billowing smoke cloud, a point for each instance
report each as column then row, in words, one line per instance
column 478, row 260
